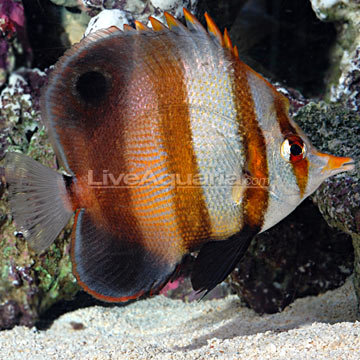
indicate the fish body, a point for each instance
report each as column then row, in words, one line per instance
column 171, row 144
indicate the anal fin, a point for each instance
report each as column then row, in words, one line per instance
column 114, row 268
column 217, row 259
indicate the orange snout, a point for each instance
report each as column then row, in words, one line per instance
column 337, row 163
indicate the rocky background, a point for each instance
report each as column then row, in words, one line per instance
column 310, row 48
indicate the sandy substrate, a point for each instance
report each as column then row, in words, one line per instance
column 323, row 327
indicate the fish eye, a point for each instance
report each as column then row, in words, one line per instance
column 293, row 149
column 91, row 86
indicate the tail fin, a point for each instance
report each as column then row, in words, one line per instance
column 38, row 200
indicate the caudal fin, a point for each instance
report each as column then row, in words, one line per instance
column 38, row 200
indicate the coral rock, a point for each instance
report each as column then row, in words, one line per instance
column 338, row 198
column 298, row 257
column 343, row 82
column 29, row 283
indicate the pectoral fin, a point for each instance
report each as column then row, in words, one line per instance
column 217, row 259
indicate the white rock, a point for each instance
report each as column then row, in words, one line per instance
column 175, row 6
column 321, row 7
column 326, row 3
column 107, row 18
column 165, row 4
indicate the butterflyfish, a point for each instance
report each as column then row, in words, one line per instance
column 170, row 144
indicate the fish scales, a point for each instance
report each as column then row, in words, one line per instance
column 172, row 145
column 215, row 136
column 263, row 95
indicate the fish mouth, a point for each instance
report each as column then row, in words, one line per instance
column 336, row 164
column 347, row 166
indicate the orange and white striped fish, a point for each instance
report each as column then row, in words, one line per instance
column 171, row 144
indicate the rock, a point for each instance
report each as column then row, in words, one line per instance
column 343, row 77
column 29, row 283
column 68, row 3
column 338, row 198
column 106, row 18
column 338, row 132
column 74, row 23
column 298, row 257
column 141, row 9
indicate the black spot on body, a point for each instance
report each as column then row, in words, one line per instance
column 92, row 87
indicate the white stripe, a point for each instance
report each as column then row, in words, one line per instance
column 217, row 144
column 280, row 174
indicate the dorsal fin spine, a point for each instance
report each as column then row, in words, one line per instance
column 236, row 51
column 128, row 27
column 192, row 24
column 140, row 26
column 189, row 17
column 227, row 41
column 156, row 24
column 213, row 29
column 171, row 20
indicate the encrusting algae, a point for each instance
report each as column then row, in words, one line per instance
column 29, row 284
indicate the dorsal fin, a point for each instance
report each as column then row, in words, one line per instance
column 113, row 29
column 156, row 24
column 173, row 23
column 213, row 30
column 192, row 23
column 236, row 51
column 227, row 41
column 215, row 33
column 140, row 26
column 128, row 27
